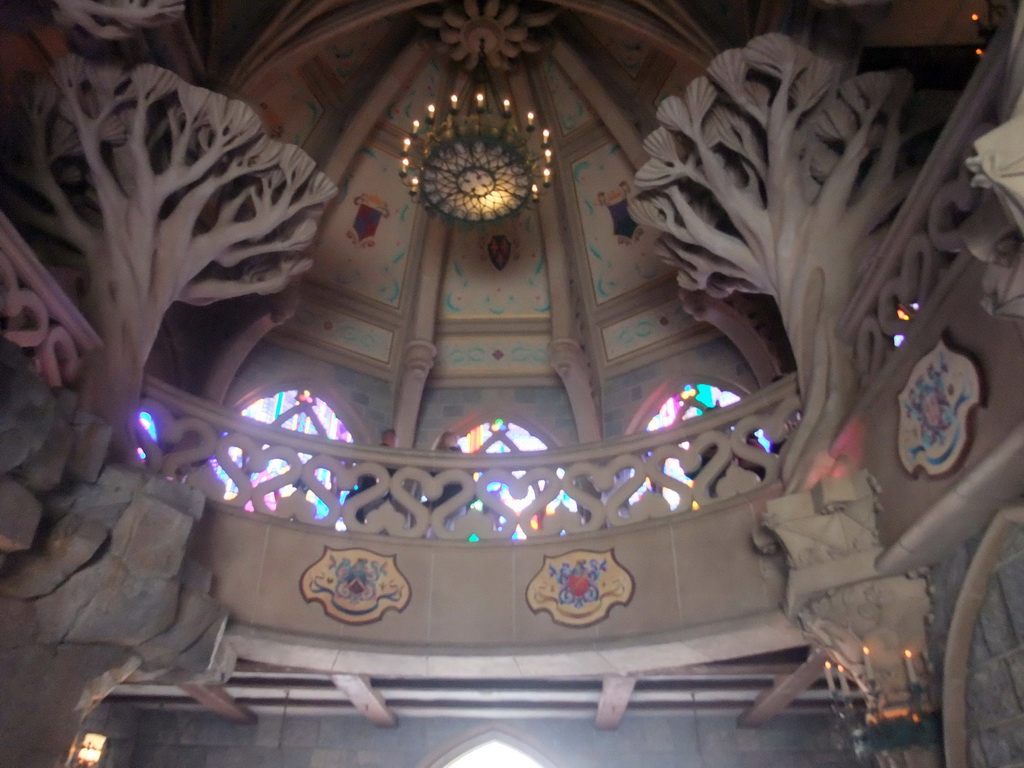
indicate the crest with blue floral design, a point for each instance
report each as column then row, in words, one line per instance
column 579, row 588
column 355, row 586
column 934, row 405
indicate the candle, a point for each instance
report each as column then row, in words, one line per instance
column 506, row 108
column 479, row 102
column 908, row 660
column 530, row 117
column 869, row 669
column 547, row 155
column 547, row 177
column 536, row 193
column 843, row 685
column 415, row 127
column 406, row 143
column 430, row 113
column 545, row 136
column 828, row 678
column 455, row 103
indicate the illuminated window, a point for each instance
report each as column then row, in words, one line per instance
column 691, row 401
column 494, row 754
column 500, row 436
column 297, row 411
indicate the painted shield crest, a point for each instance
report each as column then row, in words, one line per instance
column 934, row 405
column 580, row 587
column 355, row 586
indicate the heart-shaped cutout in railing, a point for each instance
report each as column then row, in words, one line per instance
column 542, row 484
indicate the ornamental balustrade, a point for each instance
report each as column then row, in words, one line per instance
column 724, row 455
column 923, row 254
column 37, row 315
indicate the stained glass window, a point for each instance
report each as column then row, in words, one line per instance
column 500, row 436
column 298, row 411
column 691, row 401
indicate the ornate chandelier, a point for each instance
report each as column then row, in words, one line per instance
column 473, row 163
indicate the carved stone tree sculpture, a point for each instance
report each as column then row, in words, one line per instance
column 167, row 192
column 115, row 19
column 771, row 175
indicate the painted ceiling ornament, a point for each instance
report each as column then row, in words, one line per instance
column 355, row 586
column 499, row 251
column 580, row 587
column 498, row 30
column 934, row 407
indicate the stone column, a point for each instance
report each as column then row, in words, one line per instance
column 417, row 362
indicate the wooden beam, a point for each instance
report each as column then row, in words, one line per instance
column 367, row 700
column 216, row 699
column 772, row 701
column 615, row 693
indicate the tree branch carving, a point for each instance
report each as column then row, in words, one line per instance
column 165, row 192
column 769, row 175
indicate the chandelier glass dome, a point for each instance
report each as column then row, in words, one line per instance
column 474, row 164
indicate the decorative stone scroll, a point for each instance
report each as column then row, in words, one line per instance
column 580, row 587
column 708, row 460
column 37, row 315
column 935, row 405
column 355, row 586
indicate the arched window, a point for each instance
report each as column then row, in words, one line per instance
column 691, row 401
column 494, row 754
column 500, row 436
column 297, row 410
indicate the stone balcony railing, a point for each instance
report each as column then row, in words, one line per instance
column 37, row 315
column 709, row 460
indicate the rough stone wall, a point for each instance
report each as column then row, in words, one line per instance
column 196, row 740
column 995, row 687
column 94, row 583
column 716, row 362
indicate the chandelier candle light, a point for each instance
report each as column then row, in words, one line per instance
column 474, row 163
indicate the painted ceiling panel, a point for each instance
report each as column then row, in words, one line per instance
column 493, row 355
column 340, row 330
column 630, row 51
column 474, row 287
column 344, row 56
column 573, row 111
column 412, row 104
column 645, row 329
column 366, row 237
column 619, row 252
column 288, row 108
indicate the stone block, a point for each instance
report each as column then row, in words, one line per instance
column 1015, row 663
column 17, row 623
column 300, row 731
column 995, row 621
column 126, row 610
column 44, row 469
column 20, row 513
column 184, row 498
column 150, row 537
column 69, row 546
column 196, row 612
column 990, row 694
column 996, row 749
column 1011, row 579
column 26, row 407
